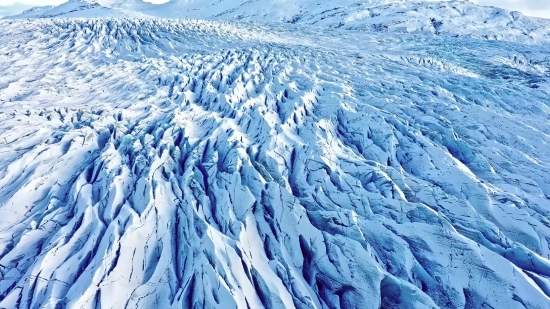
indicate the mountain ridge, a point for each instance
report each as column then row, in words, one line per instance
column 437, row 17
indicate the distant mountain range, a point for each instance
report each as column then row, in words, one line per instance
column 438, row 17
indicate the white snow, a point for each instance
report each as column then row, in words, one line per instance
column 315, row 154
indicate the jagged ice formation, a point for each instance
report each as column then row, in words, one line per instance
column 157, row 163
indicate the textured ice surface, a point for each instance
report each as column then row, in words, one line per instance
column 207, row 164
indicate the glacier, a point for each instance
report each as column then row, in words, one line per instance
column 274, row 154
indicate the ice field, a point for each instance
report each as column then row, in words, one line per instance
column 382, row 154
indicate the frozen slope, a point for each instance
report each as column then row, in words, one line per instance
column 435, row 17
column 186, row 164
column 457, row 17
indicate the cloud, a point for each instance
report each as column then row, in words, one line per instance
column 539, row 8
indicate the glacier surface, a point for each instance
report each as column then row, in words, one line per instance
column 380, row 159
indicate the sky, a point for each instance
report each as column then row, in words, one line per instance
column 540, row 8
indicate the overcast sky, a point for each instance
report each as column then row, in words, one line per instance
column 539, row 8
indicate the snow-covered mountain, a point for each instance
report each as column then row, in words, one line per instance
column 77, row 8
column 34, row 12
column 431, row 16
column 314, row 154
column 84, row 9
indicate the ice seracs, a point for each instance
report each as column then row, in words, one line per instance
column 168, row 163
